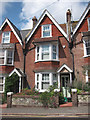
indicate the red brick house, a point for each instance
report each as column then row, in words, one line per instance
column 52, row 59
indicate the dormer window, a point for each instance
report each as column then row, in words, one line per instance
column 46, row 30
column 88, row 24
column 6, row 37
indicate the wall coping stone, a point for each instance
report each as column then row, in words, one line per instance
column 24, row 96
column 84, row 93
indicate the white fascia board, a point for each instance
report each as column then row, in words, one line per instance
column 11, row 29
column 65, row 66
column 53, row 20
column 15, row 71
column 81, row 21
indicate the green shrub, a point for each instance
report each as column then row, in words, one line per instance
column 61, row 98
column 11, row 84
column 27, row 91
column 86, row 87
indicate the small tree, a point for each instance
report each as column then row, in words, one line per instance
column 12, row 84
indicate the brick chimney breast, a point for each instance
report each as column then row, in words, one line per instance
column 34, row 19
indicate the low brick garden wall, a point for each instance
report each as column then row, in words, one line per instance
column 84, row 99
column 26, row 100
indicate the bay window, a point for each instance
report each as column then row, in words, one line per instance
column 44, row 80
column 46, row 52
column 6, row 57
column 46, row 30
column 6, row 37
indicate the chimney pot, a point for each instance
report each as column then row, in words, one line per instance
column 68, row 14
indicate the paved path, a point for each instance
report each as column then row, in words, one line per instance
column 38, row 110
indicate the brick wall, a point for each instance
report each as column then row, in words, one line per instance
column 78, row 50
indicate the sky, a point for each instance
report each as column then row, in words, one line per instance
column 21, row 12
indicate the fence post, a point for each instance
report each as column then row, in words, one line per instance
column 9, row 99
column 74, row 98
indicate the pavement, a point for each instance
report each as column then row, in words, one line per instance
column 63, row 110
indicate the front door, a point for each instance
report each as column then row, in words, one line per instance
column 64, row 85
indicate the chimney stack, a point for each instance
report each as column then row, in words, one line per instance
column 68, row 17
column 34, row 19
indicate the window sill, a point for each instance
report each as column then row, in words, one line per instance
column 6, row 65
column 86, row 56
column 47, row 61
column 1, row 91
column 46, row 37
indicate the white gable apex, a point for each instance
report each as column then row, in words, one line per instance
column 52, row 19
column 7, row 21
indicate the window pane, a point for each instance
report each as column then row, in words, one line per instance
column 45, row 52
column 9, row 54
column 37, row 49
column 6, row 34
column 87, row 44
column 1, row 87
column 54, row 48
column 54, row 55
column 45, row 56
column 1, row 79
column 6, row 37
column 46, row 33
column 9, row 57
column 37, row 85
column 9, row 60
column 37, row 56
column 45, row 77
column 45, row 48
column 37, row 77
column 46, row 30
column 45, row 85
column 1, row 53
column 1, row 60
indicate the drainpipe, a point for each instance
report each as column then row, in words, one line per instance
column 25, row 51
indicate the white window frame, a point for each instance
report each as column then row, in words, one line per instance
column 85, row 51
column 2, row 84
column 40, row 80
column 47, row 30
column 88, row 24
column 4, row 37
column 5, row 57
column 50, row 53
column 87, row 77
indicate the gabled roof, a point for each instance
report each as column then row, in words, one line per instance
column 13, row 28
column 64, row 66
column 82, row 18
column 39, row 21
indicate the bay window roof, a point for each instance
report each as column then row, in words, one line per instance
column 50, row 39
